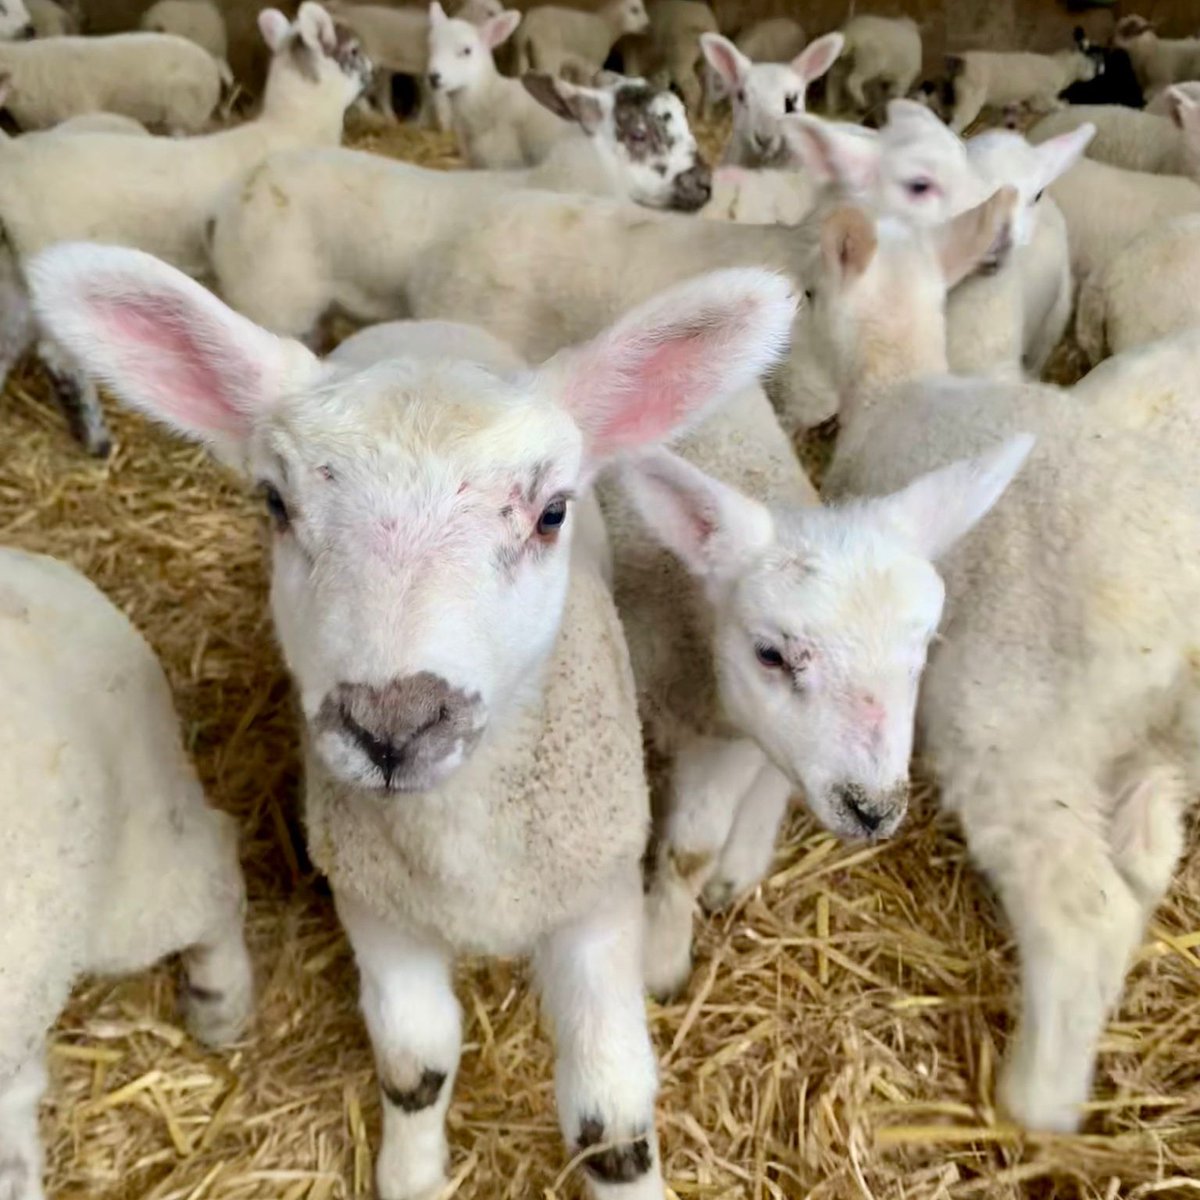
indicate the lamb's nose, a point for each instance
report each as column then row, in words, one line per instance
column 407, row 728
column 435, row 80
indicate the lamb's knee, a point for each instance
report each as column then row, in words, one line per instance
column 1146, row 833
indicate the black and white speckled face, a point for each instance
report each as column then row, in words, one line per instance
column 657, row 148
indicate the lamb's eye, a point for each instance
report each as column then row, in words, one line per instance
column 553, row 515
column 810, row 294
column 768, row 656
column 276, row 507
column 1039, row 195
column 741, row 96
column 919, row 187
column 465, row 52
column 791, row 103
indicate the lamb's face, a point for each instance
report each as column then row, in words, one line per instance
column 820, row 644
column 457, row 55
column 765, row 93
column 634, row 18
column 655, row 148
column 15, row 22
column 421, row 518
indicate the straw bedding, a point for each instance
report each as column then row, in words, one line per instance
column 839, row 1039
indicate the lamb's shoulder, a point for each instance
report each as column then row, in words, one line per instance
column 532, row 831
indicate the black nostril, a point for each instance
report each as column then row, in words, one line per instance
column 435, row 80
column 856, row 802
column 383, row 753
column 869, row 820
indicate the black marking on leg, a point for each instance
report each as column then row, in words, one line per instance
column 422, row 1096
column 615, row 1164
column 85, row 422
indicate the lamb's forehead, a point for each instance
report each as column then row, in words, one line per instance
column 482, row 422
column 1002, row 156
column 774, row 77
column 454, row 32
column 833, row 572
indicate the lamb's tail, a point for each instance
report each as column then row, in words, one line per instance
column 1089, row 318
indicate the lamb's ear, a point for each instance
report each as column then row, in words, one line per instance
column 664, row 363
column 587, row 107
column 274, row 27
column 315, row 27
column 1057, row 155
column 816, row 58
column 497, row 30
column 437, row 14
column 1185, row 112
column 982, row 232
column 711, row 527
column 162, row 343
column 834, row 152
column 725, row 58
column 934, row 511
column 848, row 243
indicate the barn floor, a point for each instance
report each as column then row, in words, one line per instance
column 839, row 1039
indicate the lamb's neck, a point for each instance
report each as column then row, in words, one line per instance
column 575, row 164
column 307, row 119
column 483, row 103
column 884, row 372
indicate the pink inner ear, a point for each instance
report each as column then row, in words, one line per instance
column 652, row 398
column 184, row 372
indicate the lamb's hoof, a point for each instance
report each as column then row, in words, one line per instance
column 718, row 895
column 218, row 1018
column 1032, row 1100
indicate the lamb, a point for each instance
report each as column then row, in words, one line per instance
column 671, row 47
column 1135, row 140
column 980, row 79
column 440, row 493
column 1157, row 61
column 200, row 21
column 51, row 19
column 1059, row 709
column 120, row 861
column 1115, row 81
column 159, row 80
column 553, row 39
column 881, row 62
column 1145, row 292
column 1165, row 102
column 496, row 121
column 161, row 191
column 1013, row 319
column 1107, row 207
column 16, row 23
column 96, row 122
column 763, row 93
column 396, row 40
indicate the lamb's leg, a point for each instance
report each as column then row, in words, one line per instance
column 746, row 856
column 856, row 83
column 78, row 398
column 711, row 777
column 1147, row 827
column 220, row 982
column 415, row 1025
column 17, row 330
column 606, row 1077
column 968, row 104
column 20, row 1146
column 1077, row 922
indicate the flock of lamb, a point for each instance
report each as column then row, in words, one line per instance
column 477, row 676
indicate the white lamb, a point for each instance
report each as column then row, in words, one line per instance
column 200, row 21
column 1137, row 141
column 881, row 62
column 553, row 39
column 109, row 856
column 1157, row 61
column 159, row 192
column 474, row 762
column 763, row 667
column 94, row 122
column 1145, row 291
column 496, row 121
column 1012, row 320
column 671, row 48
column 1163, row 103
column 762, row 93
column 16, row 22
column 162, row 81
column 51, row 19
column 1107, row 207
column 1059, row 711
column 980, row 79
